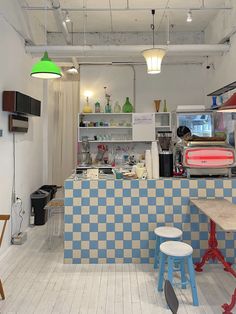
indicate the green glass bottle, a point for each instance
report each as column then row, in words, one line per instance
column 127, row 107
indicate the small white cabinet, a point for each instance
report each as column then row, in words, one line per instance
column 163, row 121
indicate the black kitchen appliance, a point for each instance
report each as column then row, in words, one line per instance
column 165, row 154
column 166, row 164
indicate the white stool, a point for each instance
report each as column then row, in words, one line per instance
column 176, row 251
column 163, row 234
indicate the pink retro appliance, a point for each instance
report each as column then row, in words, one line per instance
column 208, row 157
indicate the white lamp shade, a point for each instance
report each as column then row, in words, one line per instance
column 153, row 59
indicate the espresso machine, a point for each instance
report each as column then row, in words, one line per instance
column 202, row 156
column 166, row 153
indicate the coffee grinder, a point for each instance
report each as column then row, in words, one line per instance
column 166, row 153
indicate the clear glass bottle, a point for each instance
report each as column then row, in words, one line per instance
column 117, row 107
column 127, row 107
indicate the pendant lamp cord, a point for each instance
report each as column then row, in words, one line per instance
column 168, row 29
column 45, row 24
column 84, row 22
column 153, row 26
column 72, row 32
column 166, row 6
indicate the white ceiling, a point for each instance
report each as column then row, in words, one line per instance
column 128, row 21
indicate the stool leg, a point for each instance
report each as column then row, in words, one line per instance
column 157, row 249
column 170, row 269
column 176, row 261
column 183, row 276
column 1, row 291
column 161, row 271
column 192, row 280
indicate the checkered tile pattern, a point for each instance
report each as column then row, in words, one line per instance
column 113, row 221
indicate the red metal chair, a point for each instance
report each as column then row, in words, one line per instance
column 4, row 218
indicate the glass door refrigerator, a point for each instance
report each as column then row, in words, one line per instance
column 199, row 123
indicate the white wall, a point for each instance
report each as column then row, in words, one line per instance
column 15, row 69
column 29, row 27
column 223, row 70
column 220, row 29
column 178, row 84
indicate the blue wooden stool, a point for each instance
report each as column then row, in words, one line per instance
column 163, row 234
column 176, row 251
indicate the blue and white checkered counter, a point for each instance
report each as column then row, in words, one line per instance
column 113, row 221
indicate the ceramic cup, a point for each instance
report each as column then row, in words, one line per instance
column 140, row 172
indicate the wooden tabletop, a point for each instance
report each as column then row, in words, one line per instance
column 221, row 211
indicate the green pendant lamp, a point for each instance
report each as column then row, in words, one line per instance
column 45, row 68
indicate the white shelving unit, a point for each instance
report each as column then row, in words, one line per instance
column 163, row 121
column 120, row 127
column 106, row 127
column 110, row 127
column 112, row 141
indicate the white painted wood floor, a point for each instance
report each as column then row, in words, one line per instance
column 36, row 281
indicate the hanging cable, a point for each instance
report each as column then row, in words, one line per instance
column 72, row 33
column 163, row 14
column 84, row 22
column 13, row 194
column 111, row 16
column 168, row 29
column 45, row 23
column 21, row 213
column 153, row 27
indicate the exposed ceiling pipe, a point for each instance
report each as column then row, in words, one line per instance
column 138, row 63
column 61, row 24
column 75, row 62
column 34, row 8
column 172, row 50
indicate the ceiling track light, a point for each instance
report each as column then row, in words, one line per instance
column 67, row 17
column 189, row 16
column 72, row 70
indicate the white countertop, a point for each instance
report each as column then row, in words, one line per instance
column 221, row 211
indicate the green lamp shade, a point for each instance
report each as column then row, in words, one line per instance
column 45, row 68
